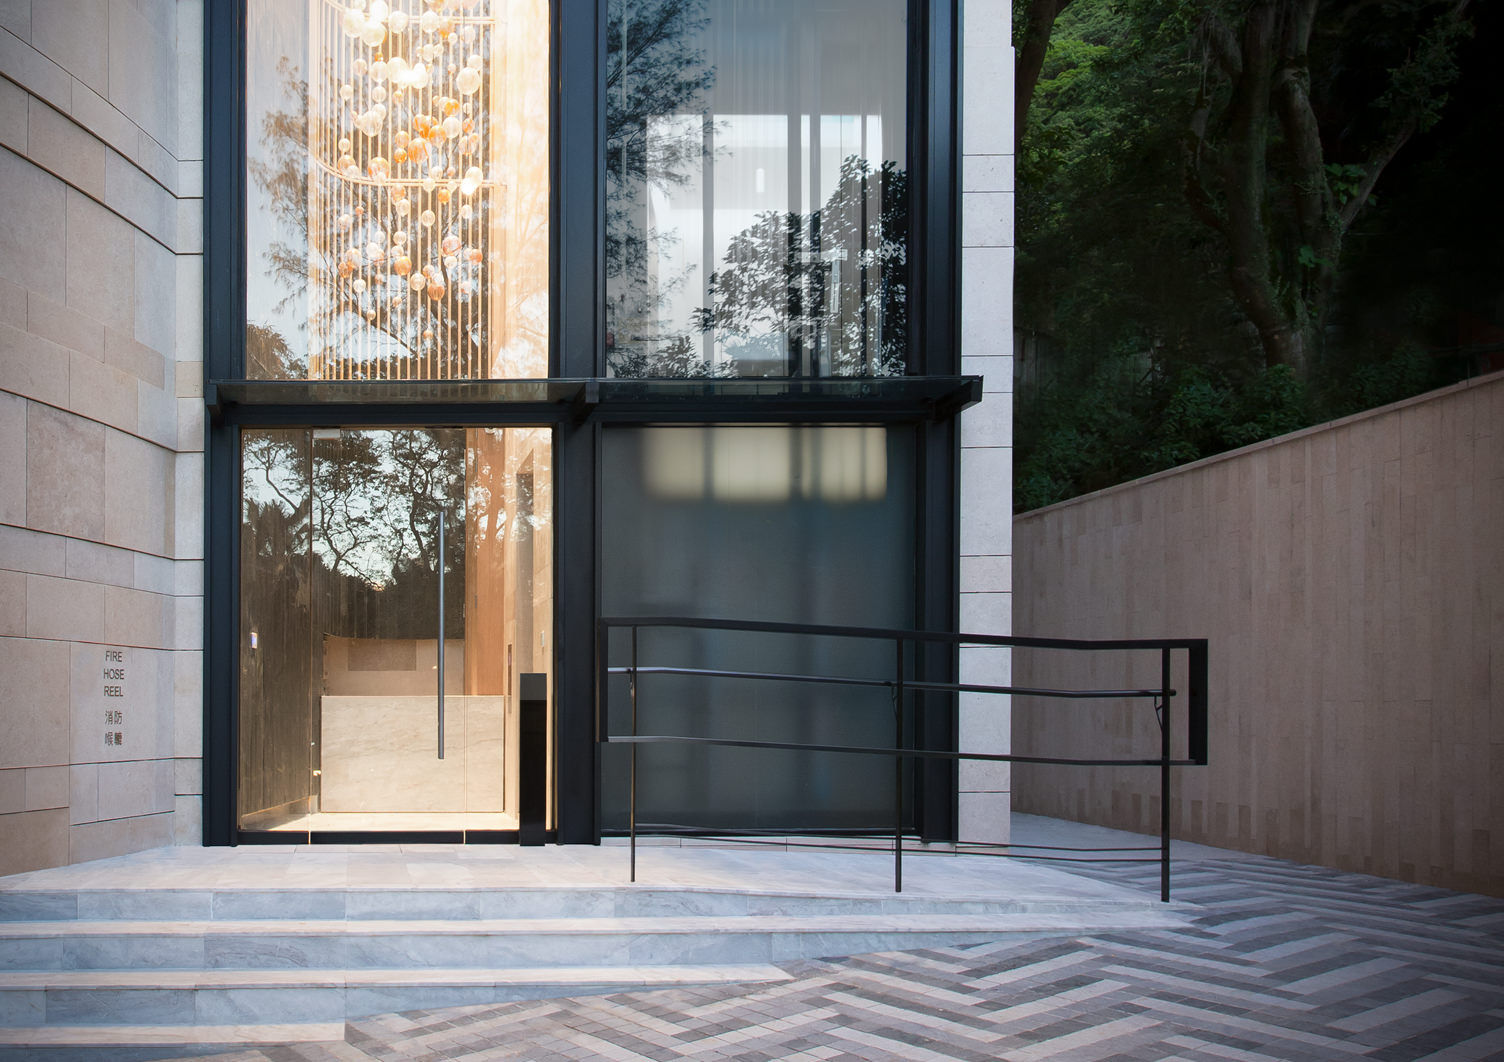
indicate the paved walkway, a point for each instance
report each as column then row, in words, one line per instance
column 1283, row 962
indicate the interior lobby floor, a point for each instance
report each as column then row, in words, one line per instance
column 1280, row 961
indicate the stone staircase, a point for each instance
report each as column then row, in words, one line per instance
column 144, row 972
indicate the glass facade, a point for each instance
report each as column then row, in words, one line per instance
column 398, row 193
column 785, row 524
column 757, row 188
column 379, row 568
column 459, row 420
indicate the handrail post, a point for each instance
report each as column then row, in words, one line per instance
column 632, row 757
column 898, row 770
column 1164, row 776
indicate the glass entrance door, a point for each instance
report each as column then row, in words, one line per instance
column 395, row 586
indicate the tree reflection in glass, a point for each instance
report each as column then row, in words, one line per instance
column 756, row 205
column 401, row 194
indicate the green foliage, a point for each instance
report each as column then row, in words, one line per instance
column 1145, row 351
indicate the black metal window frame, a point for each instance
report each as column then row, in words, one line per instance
column 933, row 394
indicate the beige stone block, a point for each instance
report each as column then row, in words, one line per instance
column 15, row 16
column 101, row 264
column 191, row 178
column 83, row 792
column 108, row 679
column 188, row 534
column 12, row 604
column 156, row 294
column 68, row 328
column 13, row 468
column 141, row 361
column 31, row 551
column 33, row 702
column 64, row 609
column 188, row 704
column 989, row 23
column 996, row 370
column 987, row 173
column 156, row 416
column 988, row 423
column 101, row 392
column 141, row 201
column 59, row 145
column 136, row 617
column 188, row 623
column 986, row 502
column 188, row 820
column 143, row 73
column 984, row 776
column 984, row 818
column 65, row 473
column 12, row 305
column 190, row 420
column 188, row 578
column 987, row 665
column 32, row 366
column 986, row 301
column 46, row 788
column 138, row 482
column 190, row 35
column 12, row 116
column 982, row 574
column 156, row 575
column 101, row 840
column 135, row 787
column 189, row 378
column 33, row 840
column 189, row 334
column 157, row 162
column 190, row 227
column 12, row 790
column 987, row 613
column 99, row 116
column 987, row 116
column 188, row 776
column 985, row 722
column 75, row 35
column 987, row 219
column 94, row 563
column 31, row 225
column 33, row 71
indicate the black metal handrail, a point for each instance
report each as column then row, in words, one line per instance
column 1196, row 701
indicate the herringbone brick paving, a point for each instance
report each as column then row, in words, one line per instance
column 1283, row 962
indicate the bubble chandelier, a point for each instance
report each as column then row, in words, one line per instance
column 403, row 188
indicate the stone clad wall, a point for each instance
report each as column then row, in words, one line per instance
column 101, row 470
column 1350, row 579
column 986, row 505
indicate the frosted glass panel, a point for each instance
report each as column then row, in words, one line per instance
column 799, row 524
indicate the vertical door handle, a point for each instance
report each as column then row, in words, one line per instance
column 441, row 634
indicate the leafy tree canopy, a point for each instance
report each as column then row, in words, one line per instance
column 1226, row 212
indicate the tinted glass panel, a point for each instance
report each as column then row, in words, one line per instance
column 792, row 524
column 398, row 191
column 396, row 586
column 756, row 206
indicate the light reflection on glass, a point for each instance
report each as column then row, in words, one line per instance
column 399, row 189
column 756, row 188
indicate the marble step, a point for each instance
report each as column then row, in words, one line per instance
column 538, row 942
column 40, row 1006
column 421, row 902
